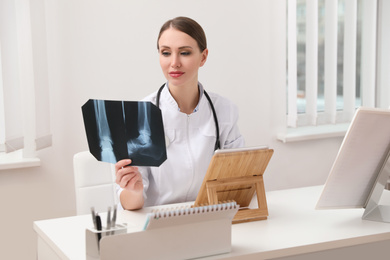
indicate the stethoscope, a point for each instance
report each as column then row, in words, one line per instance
column 217, row 143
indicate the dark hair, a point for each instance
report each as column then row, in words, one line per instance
column 188, row 26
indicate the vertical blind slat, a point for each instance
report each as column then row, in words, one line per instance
column 368, row 51
column 292, row 65
column 330, row 80
column 12, row 103
column 383, row 69
column 2, row 112
column 349, row 62
column 26, row 73
column 40, row 63
column 311, row 60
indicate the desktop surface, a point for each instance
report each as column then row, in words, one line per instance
column 293, row 227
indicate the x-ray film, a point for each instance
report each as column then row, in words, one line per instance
column 119, row 130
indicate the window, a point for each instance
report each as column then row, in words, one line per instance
column 331, row 60
column 24, row 95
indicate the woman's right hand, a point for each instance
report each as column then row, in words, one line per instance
column 128, row 177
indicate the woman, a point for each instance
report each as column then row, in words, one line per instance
column 189, row 124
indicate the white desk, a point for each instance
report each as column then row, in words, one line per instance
column 293, row 228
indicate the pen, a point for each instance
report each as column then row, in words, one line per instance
column 113, row 220
column 108, row 227
column 114, row 217
column 98, row 227
column 93, row 217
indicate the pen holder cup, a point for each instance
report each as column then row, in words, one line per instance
column 93, row 237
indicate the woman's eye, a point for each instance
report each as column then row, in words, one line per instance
column 165, row 53
column 185, row 53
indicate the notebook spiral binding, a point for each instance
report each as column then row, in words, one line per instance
column 190, row 210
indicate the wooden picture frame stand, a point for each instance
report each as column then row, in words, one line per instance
column 237, row 175
column 255, row 183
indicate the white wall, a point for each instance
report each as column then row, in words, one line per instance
column 107, row 49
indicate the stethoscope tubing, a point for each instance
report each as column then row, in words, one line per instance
column 217, row 142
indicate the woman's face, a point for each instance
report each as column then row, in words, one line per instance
column 180, row 58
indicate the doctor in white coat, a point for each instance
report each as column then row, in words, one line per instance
column 195, row 124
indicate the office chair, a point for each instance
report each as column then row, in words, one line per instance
column 94, row 183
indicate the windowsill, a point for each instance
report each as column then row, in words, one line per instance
column 313, row 132
column 15, row 160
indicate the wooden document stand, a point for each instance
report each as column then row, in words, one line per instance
column 237, row 175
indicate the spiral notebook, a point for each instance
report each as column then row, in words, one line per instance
column 176, row 233
column 184, row 215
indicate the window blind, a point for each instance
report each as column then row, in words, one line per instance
column 383, row 64
column 349, row 59
column 11, row 130
column 334, row 104
column 368, row 70
column 292, row 64
column 24, row 112
column 330, row 59
column 311, row 61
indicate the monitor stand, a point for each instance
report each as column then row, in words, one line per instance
column 374, row 211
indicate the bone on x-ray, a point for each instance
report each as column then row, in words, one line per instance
column 119, row 130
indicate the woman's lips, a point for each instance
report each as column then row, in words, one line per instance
column 176, row 74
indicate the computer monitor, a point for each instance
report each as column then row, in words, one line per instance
column 361, row 169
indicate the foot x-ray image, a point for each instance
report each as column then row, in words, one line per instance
column 119, row 130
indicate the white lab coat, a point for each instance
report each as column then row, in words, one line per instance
column 190, row 146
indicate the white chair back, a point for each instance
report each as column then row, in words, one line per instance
column 94, row 183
